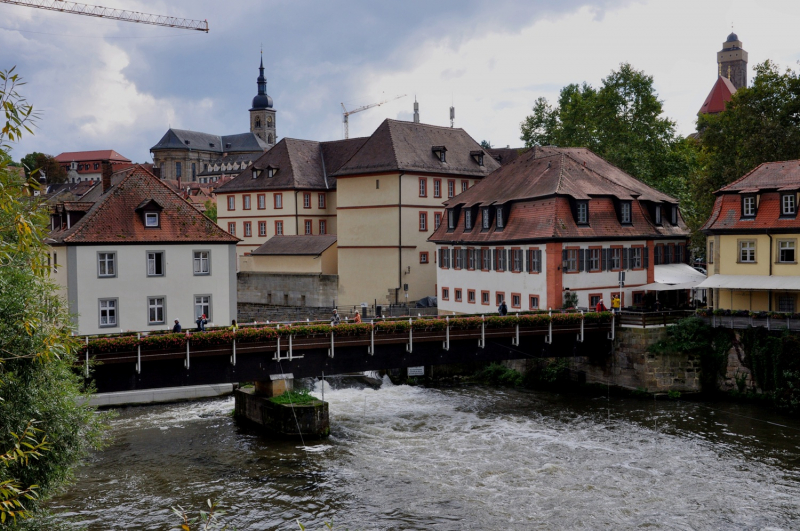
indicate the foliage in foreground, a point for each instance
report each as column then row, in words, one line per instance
column 294, row 397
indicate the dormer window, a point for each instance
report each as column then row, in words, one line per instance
column 674, row 215
column 151, row 219
column 256, row 173
column 468, row 219
column 499, row 217
column 451, row 222
column 658, row 214
column 477, row 156
column 440, row 152
column 788, row 205
column 625, row 212
column 582, row 212
column 748, row 206
column 271, row 171
column 486, row 218
column 150, row 211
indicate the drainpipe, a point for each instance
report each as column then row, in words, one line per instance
column 769, row 292
column 399, row 237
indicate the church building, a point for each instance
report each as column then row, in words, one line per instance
column 731, row 75
column 183, row 155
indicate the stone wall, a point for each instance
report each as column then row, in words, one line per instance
column 288, row 289
column 633, row 366
column 249, row 312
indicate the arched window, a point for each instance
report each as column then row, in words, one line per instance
column 258, row 123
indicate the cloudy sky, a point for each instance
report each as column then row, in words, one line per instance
column 113, row 85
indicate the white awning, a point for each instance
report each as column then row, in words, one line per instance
column 674, row 277
column 751, row 282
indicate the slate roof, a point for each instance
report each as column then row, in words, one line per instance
column 113, row 217
column 296, row 245
column 506, row 154
column 720, row 94
column 407, row 146
column 80, row 156
column 185, row 140
column 768, row 180
column 300, row 164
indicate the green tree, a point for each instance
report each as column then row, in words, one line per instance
column 211, row 210
column 623, row 122
column 45, row 427
column 485, row 144
column 36, row 164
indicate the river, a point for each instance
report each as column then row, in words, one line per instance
column 460, row 458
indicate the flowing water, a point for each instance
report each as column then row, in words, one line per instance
column 452, row 459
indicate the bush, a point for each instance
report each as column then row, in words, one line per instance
column 499, row 375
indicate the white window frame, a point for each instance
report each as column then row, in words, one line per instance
column 583, row 213
column 787, row 245
column 278, row 201
column 468, row 219
column 155, row 305
column 499, row 213
column 104, row 258
column 262, row 228
column 202, row 305
column 625, row 212
column 201, row 259
column 788, row 205
column 231, row 202
column 151, row 219
column 104, row 306
column 152, row 261
column 262, row 201
column 747, row 251
column 306, row 200
column 749, row 206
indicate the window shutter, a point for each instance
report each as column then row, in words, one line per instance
column 626, row 260
column 528, row 261
column 646, row 257
column 508, row 263
column 441, row 265
column 604, row 260
column 538, row 261
column 564, row 259
column 581, row 260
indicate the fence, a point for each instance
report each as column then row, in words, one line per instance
column 746, row 321
column 652, row 319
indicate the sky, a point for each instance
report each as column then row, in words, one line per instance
column 101, row 84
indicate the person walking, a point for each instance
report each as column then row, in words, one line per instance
column 357, row 318
column 201, row 323
column 335, row 319
column 615, row 303
column 177, row 328
column 502, row 309
column 600, row 306
column 234, row 327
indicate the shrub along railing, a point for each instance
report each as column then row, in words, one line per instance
column 301, row 336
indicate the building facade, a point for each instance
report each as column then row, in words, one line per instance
column 555, row 226
column 752, row 237
column 140, row 257
column 88, row 165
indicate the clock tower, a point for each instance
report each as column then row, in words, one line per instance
column 262, row 115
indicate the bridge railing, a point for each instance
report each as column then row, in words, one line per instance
column 746, row 319
column 653, row 319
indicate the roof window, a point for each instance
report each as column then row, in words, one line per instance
column 625, row 212
column 186, row 142
column 440, row 152
column 271, row 171
column 477, row 156
column 582, row 213
column 788, row 205
column 749, row 206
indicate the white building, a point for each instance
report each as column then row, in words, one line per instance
column 552, row 222
column 140, row 257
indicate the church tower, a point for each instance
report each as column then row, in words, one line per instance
column 262, row 115
column 732, row 61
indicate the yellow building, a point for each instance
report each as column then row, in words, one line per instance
column 752, row 241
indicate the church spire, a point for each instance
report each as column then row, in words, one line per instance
column 262, row 81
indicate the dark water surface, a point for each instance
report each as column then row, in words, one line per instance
column 451, row 459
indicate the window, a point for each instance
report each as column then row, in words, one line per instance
column 583, row 212
column 658, row 214
column 423, row 257
column 636, row 258
column 625, row 212
column 202, row 306
column 786, row 251
column 593, row 259
column 97, row 165
column 788, row 205
column 534, row 261
column 485, row 297
column 279, row 228
column 594, row 299
column 231, row 202
column 262, row 228
column 471, row 258
column 246, row 200
column 786, row 303
column 458, row 258
column 437, row 220
column 516, row 300
column 202, row 265
column 747, row 251
column 248, row 229
column 306, row 200
column 710, row 257
column 499, row 297
column 533, row 302
column 262, row 202
column 571, row 260
column 451, row 188
column 464, row 186
column 500, row 259
column 615, row 254
column 321, row 200
column 442, row 156
column 445, row 294
column 106, row 264
column 451, row 223
column 471, row 296
column 155, row 310
column 638, row 298
column 437, row 188
column 486, row 259
column 423, row 221
column 486, row 220
column 749, row 206
column 278, row 200
column 108, row 312
column 457, row 294
column 444, row 258
column 194, row 171
column 155, row 263
column 271, row 172
column 499, row 217
column 674, row 215
column 468, row 219
column 323, row 226
column 516, row 260
column 232, row 228
column 307, row 224
column 423, row 187
column 151, row 219
column 177, row 169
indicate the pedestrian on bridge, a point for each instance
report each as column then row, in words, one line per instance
column 201, row 323
column 502, row 309
column 177, row 328
column 234, row 327
column 600, row 306
column 615, row 303
column 335, row 319
column 357, row 318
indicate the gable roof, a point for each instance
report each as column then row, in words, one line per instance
column 113, row 217
column 767, row 176
column 407, row 146
column 194, row 140
column 102, row 154
column 720, row 94
column 296, row 245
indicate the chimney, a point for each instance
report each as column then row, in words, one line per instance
column 106, row 179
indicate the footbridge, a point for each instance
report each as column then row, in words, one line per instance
column 137, row 361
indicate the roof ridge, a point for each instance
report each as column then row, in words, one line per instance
column 417, row 124
column 742, row 177
column 560, row 173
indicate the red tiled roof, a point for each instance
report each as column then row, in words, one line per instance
column 113, row 218
column 80, row 156
column 720, row 95
column 727, row 215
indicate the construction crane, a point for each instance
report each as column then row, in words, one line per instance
column 112, row 14
column 346, row 114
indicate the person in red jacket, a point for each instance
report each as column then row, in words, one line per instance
column 600, row 306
